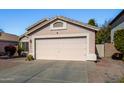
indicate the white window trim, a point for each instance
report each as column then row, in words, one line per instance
column 58, row 28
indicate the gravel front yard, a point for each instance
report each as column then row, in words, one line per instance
column 107, row 70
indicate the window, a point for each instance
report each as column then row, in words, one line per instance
column 25, row 45
column 58, row 24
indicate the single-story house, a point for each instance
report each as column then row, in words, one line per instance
column 117, row 23
column 60, row 38
column 7, row 39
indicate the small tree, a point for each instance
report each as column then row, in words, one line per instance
column 92, row 22
column 119, row 41
column 103, row 35
column 20, row 49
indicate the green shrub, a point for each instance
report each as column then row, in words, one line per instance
column 119, row 41
column 123, row 58
column 122, row 80
column 29, row 58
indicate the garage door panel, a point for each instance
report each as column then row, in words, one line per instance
column 61, row 49
column 45, row 49
column 73, row 47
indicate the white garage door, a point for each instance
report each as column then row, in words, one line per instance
column 61, row 49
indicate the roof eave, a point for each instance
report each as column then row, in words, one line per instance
column 66, row 19
column 46, row 19
column 116, row 17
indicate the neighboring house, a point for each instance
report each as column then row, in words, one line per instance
column 7, row 39
column 60, row 38
column 116, row 24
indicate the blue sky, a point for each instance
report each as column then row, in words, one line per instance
column 16, row 21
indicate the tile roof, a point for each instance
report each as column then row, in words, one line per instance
column 48, row 20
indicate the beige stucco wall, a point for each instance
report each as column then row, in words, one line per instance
column 71, row 29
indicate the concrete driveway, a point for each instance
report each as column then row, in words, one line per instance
column 42, row 71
